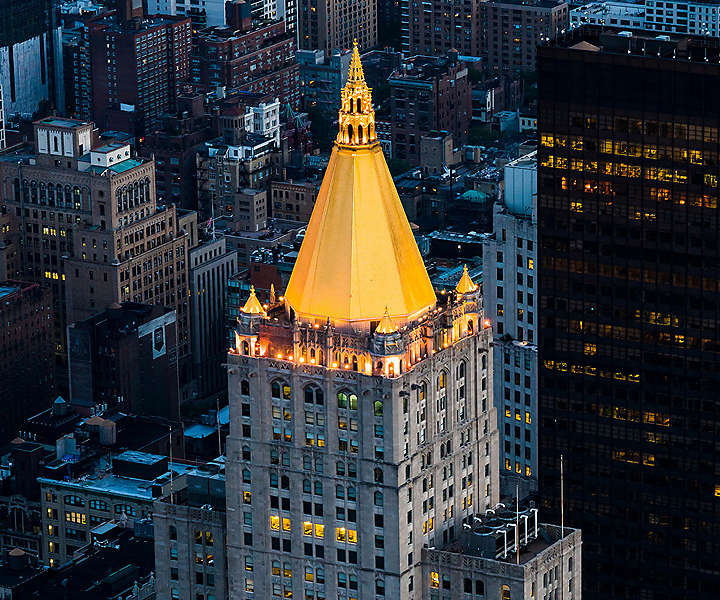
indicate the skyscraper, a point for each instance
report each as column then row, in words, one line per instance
column 629, row 369
column 362, row 422
column 31, row 69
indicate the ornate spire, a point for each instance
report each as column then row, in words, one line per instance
column 466, row 285
column 359, row 258
column 253, row 306
column 386, row 325
column 357, row 117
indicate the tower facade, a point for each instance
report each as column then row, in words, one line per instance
column 362, row 422
column 629, row 363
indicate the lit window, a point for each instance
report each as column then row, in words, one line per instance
column 319, row 530
column 275, row 522
column 434, row 580
column 286, row 524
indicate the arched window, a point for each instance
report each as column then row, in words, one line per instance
column 245, row 387
column 360, row 130
column 441, row 380
column 378, row 408
column 353, row 401
column 340, row 492
column 33, row 192
column 359, row 105
column 354, row 363
column 246, row 453
column 378, row 475
column 378, row 365
column 471, row 326
column 342, row 399
column 422, row 393
column 483, row 362
column 461, row 370
column 379, row 499
column 275, row 389
column 307, row 486
column 505, row 593
column 350, row 133
column 246, row 476
column 245, row 348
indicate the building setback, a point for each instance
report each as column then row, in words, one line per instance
column 628, row 335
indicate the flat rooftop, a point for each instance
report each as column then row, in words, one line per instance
column 650, row 44
column 58, row 122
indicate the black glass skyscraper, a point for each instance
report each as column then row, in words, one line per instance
column 629, row 282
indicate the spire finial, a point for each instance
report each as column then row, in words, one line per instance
column 386, row 325
column 252, row 305
column 466, row 285
column 357, row 117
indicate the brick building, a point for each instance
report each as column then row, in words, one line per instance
column 84, row 219
column 258, row 59
column 27, row 367
column 513, row 29
column 428, row 94
column 130, row 68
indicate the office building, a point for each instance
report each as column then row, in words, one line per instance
column 84, row 220
column 130, row 67
column 330, row 26
column 27, row 368
column 31, row 59
column 509, row 295
column 628, row 298
column 513, row 30
column 190, row 536
column 362, row 427
column 428, row 94
column 123, row 357
column 211, row 265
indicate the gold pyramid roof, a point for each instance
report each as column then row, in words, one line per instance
column 252, row 305
column 466, row 285
column 386, row 324
column 359, row 256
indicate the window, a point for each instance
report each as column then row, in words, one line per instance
column 434, row 580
